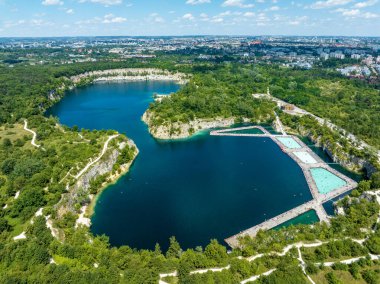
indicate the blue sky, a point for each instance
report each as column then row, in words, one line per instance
column 189, row 17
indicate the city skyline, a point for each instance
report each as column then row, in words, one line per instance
column 45, row 18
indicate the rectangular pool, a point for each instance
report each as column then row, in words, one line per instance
column 325, row 180
column 289, row 142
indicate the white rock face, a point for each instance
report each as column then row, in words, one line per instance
column 20, row 237
column 39, row 212
column 184, row 130
column 83, row 220
column 133, row 74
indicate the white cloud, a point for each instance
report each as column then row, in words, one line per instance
column 52, row 2
column 249, row 14
column 356, row 13
column 188, row 16
column 236, row 3
column 70, row 11
column 274, row 8
column 351, row 13
column 155, row 17
column 9, row 24
column 217, row 20
column 369, row 15
column 103, row 2
column 297, row 21
column 196, row 2
column 224, row 14
column 111, row 19
column 329, row 4
column 365, row 4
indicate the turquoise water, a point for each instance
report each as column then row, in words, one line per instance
column 325, row 180
column 195, row 189
column 307, row 218
column 325, row 157
column 289, row 142
column 329, row 207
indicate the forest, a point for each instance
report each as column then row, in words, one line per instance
column 34, row 174
column 226, row 92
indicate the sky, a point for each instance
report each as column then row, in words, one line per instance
column 39, row 18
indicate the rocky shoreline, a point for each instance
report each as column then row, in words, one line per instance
column 82, row 185
column 185, row 130
column 132, row 74
column 113, row 178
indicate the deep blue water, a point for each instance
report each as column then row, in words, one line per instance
column 196, row 189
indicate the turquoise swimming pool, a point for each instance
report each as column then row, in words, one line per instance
column 289, row 142
column 325, row 180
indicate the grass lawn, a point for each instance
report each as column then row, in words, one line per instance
column 14, row 132
column 344, row 276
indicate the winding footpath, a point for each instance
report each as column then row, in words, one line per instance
column 285, row 250
column 34, row 134
column 105, row 148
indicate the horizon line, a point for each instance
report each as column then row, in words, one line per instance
column 192, row 35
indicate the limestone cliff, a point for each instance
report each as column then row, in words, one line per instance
column 79, row 192
column 179, row 130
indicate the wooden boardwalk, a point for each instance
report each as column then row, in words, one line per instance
column 318, row 198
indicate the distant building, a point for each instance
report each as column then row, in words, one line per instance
column 368, row 60
column 325, row 56
column 356, row 56
column 337, row 55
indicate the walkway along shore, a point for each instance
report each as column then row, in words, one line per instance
column 318, row 198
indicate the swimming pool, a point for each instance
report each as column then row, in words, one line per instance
column 325, row 180
column 305, row 157
column 289, row 142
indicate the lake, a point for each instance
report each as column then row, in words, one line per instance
column 195, row 189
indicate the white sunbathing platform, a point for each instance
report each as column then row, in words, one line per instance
column 305, row 157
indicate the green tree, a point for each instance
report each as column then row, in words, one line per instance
column 370, row 276
column 4, row 225
column 216, row 252
column 7, row 143
column 8, row 165
column 375, row 180
column 332, row 279
column 174, row 250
